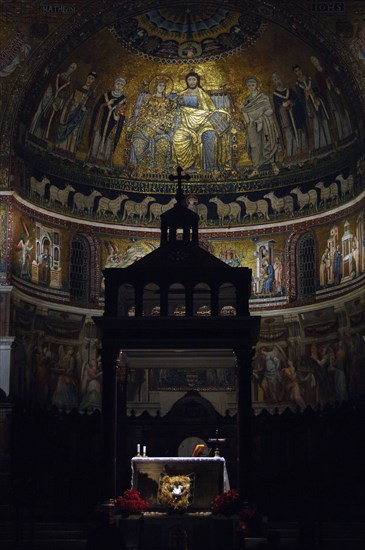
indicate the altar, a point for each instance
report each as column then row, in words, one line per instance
column 210, row 478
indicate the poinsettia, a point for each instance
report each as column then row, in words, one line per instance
column 249, row 519
column 228, row 503
column 131, row 502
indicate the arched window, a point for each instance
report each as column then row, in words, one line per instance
column 202, row 299
column 80, row 270
column 151, row 299
column 306, row 266
column 227, row 299
column 126, row 300
column 176, row 300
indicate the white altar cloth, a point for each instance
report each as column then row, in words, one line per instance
column 180, row 460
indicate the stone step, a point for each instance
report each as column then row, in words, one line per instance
column 342, row 536
column 358, row 527
column 44, row 545
column 6, row 511
column 333, row 535
column 6, row 527
column 252, row 543
column 345, row 544
column 60, row 544
column 60, row 527
column 57, row 532
column 60, row 535
column 72, row 536
column 45, row 536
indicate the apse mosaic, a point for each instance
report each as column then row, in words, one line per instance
column 262, row 137
column 212, row 121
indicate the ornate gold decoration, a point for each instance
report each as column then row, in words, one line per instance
column 176, row 492
column 169, row 85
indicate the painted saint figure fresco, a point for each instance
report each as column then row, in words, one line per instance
column 25, row 248
column 338, row 370
column 293, row 389
column 75, row 114
column 358, row 43
column 52, row 103
column 45, row 264
column 201, row 141
column 291, row 119
column 279, row 275
column 322, row 358
column 267, row 372
column 337, row 265
column 315, row 108
column 16, row 51
column 107, row 124
column 268, row 277
column 324, row 268
column 66, row 392
column 42, row 362
column 90, row 386
column 152, row 126
column 331, row 93
column 262, row 134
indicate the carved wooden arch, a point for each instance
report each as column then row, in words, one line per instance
column 193, row 407
column 292, row 263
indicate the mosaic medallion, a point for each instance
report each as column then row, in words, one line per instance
column 183, row 33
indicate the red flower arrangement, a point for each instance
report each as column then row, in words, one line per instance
column 230, row 504
column 249, row 520
column 227, row 504
column 131, row 503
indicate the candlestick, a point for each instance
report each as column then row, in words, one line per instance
column 144, row 450
column 138, row 449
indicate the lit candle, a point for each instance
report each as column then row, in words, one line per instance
column 138, row 449
column 144, row 450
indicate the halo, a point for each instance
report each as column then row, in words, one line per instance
column 182, row 79
column 190, row 50
column 252, row 79
column 159, row 78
